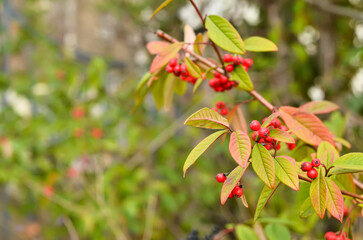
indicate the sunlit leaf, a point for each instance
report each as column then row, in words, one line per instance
column 270, row 118
column 281, row 136
column 240, row 147
column 334, row 200
column 241, row 76
column 193, row 68
column 231, row 181
column 319, row 107
column 348, row 163
column 189, row 37
column 327, row 153
column 156, row 47
column 207, row 118
column 180, row 87
column 163, row 5
column 263, row 165
column 318, row 193
column 197, row 84
column 265, row 195
column 286, row 172
column 345, row 182
column 200, row 149
column 237, row 119
column 260, row 44
column 222, row 33
column 305, row 126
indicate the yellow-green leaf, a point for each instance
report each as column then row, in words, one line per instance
column 163, row 5
column 286, row 172
column 327, row 153
column 348, row 163
column 222, row 33
column 263, row 165
column 335, row 201
column 281, row 136
column 207, row 118
column 243, row 79
column 265, row 195
column 318, row 194
column 231, row 181
column 164, row 56
column 193, row 68
column 200, row 149
column 269, row 119
column 240, row 147
column 260, row 44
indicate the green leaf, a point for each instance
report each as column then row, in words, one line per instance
column 241, row 76
column 193, row 68
column 240, row 147
column 263, row 164
column 231, row 181
column 141, row 90
column 348, row 163
column 197, row 46
column 265, row 195
column 308, row 127
column 334, row 200
column 207, row 118
column 281, row 136
column 169, row 90
column 157, row 90
column 276, row 231
column 269, row 119
column 345, row 182
column 301, row 152
column 163, row 58
column 327, row 153
column 286, row 172
column 319, row 107
column 197, row 84
column 318, row 194
column 260, row 44
column 180, row 87
column 163, row 5
column 342, row 141
column 222, row 33
column 304, row 202
column 200, row 149
column 244, row 232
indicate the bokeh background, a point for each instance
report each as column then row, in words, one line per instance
column 79, row 162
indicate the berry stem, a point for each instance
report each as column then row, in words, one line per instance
column 208, row 63
column 213, row 44
column 326, row 169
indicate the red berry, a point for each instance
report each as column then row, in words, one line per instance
column 264, row 132
column 306, row 166
column 173, row 62
column 329, row 235
column 177, row 70
column 238, row 191
column 227, row 57
column 97, row 133
column 231, row 195
column 284, row 128
column 315, row 162
column 229, row 67
column 255, row 125
column 312, row 173
column 183, row 68
column 217, row 74
column 224, row 79
column 291, row 146
column 262, row 140
column 345, row 211
column 221, row 177
column 254, row 135
column 235, row 60
column 224, row 111
column 268, row 146
column 278, row 146
column 248, row 62
column 269, row 139
column 276, row 123
column 169, row 68
column 220, row 104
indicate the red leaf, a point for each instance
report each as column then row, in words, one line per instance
column 156, row 47
column 163, row 58
column 306, row 126
column 335, row 201
column 319, row 107
column 240, row 147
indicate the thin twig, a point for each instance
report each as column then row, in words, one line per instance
column 73, row 235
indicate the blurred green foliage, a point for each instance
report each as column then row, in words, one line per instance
column 68, row 127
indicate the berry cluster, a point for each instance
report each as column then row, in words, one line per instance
column 237, row 190
column 221, row 108
column 180, row 70
column 333, row 236
column 310, row 168
column 261, row 135
column 235, row 61
column 220, row 83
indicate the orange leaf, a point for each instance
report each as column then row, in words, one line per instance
column 306, row 126
column 163, row 58
column 319, row 107
column 156, row 47
column 240, row 147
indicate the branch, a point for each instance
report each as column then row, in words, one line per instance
column 343, row 191
column 335, row 9
column 358, row 183
column 210, row 64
